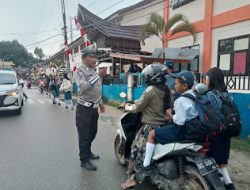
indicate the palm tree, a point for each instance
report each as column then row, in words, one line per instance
column 157, row 26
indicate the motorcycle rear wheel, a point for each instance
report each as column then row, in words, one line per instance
column 118, row 145
column 195, row 181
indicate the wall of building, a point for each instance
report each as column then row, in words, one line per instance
column 194, row 10
column 151, row 43
column 141, row 16
column 233, row 30
column 242, row 101
column 221, row 6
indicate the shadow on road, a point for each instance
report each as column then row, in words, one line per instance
column 8, row 114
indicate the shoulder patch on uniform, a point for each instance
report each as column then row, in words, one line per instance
column 148, row 89
column 79, row 73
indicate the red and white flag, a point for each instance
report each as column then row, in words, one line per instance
column 67, row 50
column 77, row 23
column 79, row 27
column 82, row 31
column 86, row 40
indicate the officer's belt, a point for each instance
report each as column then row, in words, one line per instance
column 87, row 104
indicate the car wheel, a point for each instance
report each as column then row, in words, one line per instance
column 19, row 111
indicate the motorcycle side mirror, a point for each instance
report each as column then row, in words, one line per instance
column 129, row 107
column 21, row 82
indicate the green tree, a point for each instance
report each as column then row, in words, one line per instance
column 157, row 27
column 17, row 53
column 58, row 62
column 39, row 52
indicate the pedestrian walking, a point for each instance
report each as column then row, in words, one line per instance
column 90, row 98
column 66, row 87
column 54, row 86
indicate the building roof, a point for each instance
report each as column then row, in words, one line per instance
column 176, row 53
column 130, row 8
column 6, row 63
column 88, row 19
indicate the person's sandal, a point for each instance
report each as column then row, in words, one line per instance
column 129, row 184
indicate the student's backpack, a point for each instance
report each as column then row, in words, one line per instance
column 231, row 114
column 208, row 124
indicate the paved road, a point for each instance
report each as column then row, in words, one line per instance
column 38, row 150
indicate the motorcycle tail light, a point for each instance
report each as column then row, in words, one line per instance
column 205, row 149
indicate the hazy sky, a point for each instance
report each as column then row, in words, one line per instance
column 31, row 21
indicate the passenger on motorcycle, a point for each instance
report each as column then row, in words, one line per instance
column 220, row 145
column 153, row 103
column 185, row 110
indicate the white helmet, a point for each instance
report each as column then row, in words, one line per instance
column 154, row 74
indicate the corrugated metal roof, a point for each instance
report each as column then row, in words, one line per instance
column 176, row 53
column 87, row 19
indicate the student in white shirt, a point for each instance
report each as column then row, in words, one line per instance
column 66, row 87
column 185, row 110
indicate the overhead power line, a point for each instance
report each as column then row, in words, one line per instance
column 104, row 10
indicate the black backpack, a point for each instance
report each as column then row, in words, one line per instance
column 208, row 124
column 231, row 114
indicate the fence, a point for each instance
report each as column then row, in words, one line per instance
column 233, row 82
column 240, row 82
column 123, row 79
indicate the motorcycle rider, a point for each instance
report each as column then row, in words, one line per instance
column 153, row 103
column 185, row 110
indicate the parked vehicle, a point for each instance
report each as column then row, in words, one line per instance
column 11, row 92
column 179, row 165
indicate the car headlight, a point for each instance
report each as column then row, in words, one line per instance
column 13, row 93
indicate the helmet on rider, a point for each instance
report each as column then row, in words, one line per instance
column 154, row 74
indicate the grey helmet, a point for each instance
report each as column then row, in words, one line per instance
column 155, row 74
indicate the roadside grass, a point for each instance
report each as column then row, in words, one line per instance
column 240, row 145
column 111, row 103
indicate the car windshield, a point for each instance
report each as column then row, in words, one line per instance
column 7, row 78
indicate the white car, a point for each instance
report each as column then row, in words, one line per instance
column 11, row 92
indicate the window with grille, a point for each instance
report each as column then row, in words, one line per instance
column 233, row 55
column 179, row 3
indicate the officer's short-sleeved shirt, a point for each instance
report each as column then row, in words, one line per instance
column 88, row 92
column 185, row 109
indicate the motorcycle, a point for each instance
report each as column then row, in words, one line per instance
column 176, row 166
column 41, row 86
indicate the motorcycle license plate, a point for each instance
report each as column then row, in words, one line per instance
column 206, row 166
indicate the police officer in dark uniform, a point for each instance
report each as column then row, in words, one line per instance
column 90, row 98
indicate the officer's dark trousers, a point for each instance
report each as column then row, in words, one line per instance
column 86, row 123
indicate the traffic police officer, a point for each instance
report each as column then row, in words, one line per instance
column 90, row 98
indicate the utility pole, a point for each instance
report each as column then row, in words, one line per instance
column 65, row 32
column 71, row 29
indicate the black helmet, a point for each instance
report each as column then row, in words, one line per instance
column 154, row 74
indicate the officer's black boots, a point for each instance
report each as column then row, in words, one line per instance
column 93, row 156
column 88, row 165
